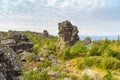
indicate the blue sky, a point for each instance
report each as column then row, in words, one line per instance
column 92, row 17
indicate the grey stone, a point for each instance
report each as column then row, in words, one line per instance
column 67, row 78
column 91, row 74
column 53, row 74
column 87, row 41
column 45, row 33
column 18, row 41
column 9, row 65
column 2, row 77
column 68, row 34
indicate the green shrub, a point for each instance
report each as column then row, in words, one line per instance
column 29, row 57
column 44, row 64
column 109, row 76
column 100, row 62
column 85, row 77
column 64, row 53
column 95, row 51
column 34, row 75
column 78, row 49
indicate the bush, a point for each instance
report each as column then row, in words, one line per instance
column 64, row 53
column 74, row 51
column 100, row 62
column 78, row 50
column 34, row 75
column 29, row 57
column 95, row 51
column 109, row 76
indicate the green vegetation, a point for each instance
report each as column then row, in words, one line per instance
column 109, row 76
column 99, row 62
column 41, row 42
column 3, row 34
column 102, row 54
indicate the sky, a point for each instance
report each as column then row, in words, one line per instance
column 92, row 17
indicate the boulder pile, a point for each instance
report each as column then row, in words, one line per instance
column 17, row 41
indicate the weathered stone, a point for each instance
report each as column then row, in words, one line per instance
column 45, row 33
column 24, row 56
column 91, row 74
column 87, row 41
column 116, row 73
column 53, row 74
column 17, row 41
column 2, row 77
column 67, row 78
column 68, row 34
column 36, row 58
column 9, row 65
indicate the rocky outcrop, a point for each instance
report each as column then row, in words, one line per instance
column 68, row 34
column 9, row 65
column 87, row 41
column 17, row 41
column 45, row 33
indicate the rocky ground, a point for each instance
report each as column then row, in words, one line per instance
column 40, row 56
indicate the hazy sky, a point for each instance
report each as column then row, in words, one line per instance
column 93, row 17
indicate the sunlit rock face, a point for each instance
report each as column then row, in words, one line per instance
column 68, row 34
column 9, row 65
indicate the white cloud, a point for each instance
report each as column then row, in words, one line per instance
column 49, row 12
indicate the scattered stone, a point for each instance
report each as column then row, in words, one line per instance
column 53, row 74
column 54, row 62
column 68, row 64
column 42, row 59
column 67, row 78
column 116, row 73
column 36, row 58
column 68, row 34
column 91, row 74
column 24, row 55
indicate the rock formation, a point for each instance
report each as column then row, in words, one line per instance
column 68, row 34
column 87, row 41
column 9, row 66
column 45, row 33
column 17, row 41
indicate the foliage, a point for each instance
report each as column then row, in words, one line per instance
column 95, row 50
column 100, row 62
column 109, row 76
column 34, row 75
column 78, row 49
column 41, row 42
column 74, row 51
column 85, row 77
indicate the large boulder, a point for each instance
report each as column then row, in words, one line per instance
column 68, row 34
column 9, row 65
